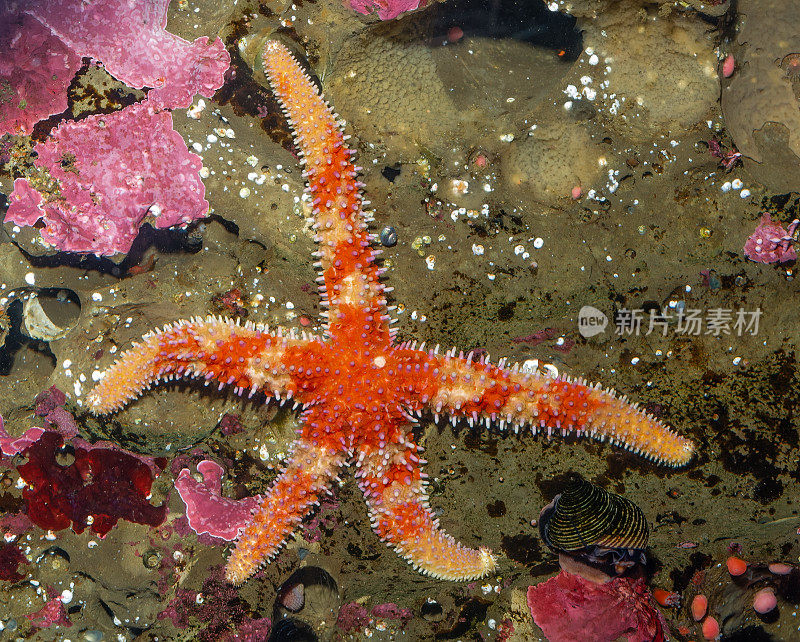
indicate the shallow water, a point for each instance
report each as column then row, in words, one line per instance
column 522, row 188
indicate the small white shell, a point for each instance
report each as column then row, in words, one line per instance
column 37, row 324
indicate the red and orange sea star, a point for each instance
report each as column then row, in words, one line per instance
column 360, row 391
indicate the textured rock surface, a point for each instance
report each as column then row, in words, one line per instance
column 593, row 8
column 674, row 90
column 553, row 159
column 761, row 102
column 401, row 97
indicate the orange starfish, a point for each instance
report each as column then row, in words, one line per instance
column 360, row 391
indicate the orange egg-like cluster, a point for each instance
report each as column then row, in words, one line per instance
column 736, row 566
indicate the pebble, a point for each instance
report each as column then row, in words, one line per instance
column 779, row 568
column 765, row 601
column 454, row 34
column 736, row 566
column 710, row 628
column 699, row 607
column 388, row 236
column 728, row 66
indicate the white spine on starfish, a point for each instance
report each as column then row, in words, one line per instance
column 294, row 493
column 210, row 349
column 560, row 404
column 402, row 517
column 345, row 255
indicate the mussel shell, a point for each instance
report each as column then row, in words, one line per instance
column 49, row 314
column 251, row 48
column 291, row 630
column 585, row 515
column 310, row 599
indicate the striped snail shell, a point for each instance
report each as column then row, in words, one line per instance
column 587, row 516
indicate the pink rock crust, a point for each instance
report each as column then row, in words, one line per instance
column 568, row 607
column 131, row 40
column 386, row 9
column 13, row 445
column 352, row 616
column 14, row 524
column 120, row 168
column 54, row 613
column 35, row 71
column 769, row 244
column 206, row 509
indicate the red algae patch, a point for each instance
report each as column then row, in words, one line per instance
column 96, row 489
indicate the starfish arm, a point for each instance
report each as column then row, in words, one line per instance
column 350, row 284
column 394, row 488
column 481, row 391
column 294, row 493
column 247, row 356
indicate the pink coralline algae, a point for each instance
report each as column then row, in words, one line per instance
column 390, row 611
column 771, row 243
column 253, row 631
column 50, row 405
column 48, row 400
column 14, row 445
column 13, row 525
column 99, row 487
column 324, row 518
column 35, row 71
column 206, row 509
column 230, row 424
column 131, row 40
column 54, row 613
column 180, row 608
column 386, row 9
column 112, row 172
column 568, row 607
column 352, row 616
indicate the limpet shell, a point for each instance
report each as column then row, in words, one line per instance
column 49, row 314
column 585, row 515
column 251, row 47
column 37, row 324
